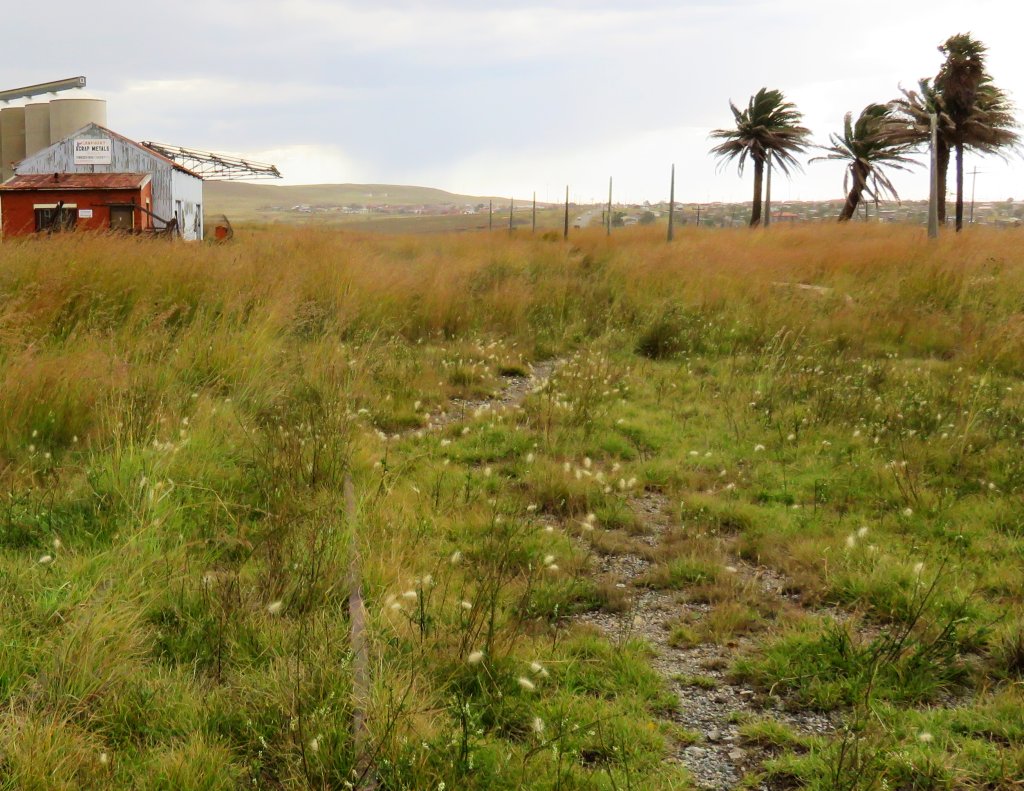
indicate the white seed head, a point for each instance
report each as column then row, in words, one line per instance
column 275, row 607
column 46, row 560
column 526, row 684
column 549, row 559
column 466, row 605
column 924, row 736
column 862, row 532
column 475, row 658
column 456, row 558
column 537, row 725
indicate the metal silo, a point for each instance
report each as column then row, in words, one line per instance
column 67, row 116
column 12, row 139
column 37, row 127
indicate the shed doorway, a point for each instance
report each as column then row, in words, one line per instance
column 122, row 218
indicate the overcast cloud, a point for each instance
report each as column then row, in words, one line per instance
column 489, row 99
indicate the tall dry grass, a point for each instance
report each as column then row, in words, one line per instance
column 88, row 319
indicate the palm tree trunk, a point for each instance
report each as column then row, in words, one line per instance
column 755, row 212
column 860, row 180
column 959, row 186
column 942, row 163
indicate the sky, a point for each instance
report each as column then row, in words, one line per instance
column 506, row 98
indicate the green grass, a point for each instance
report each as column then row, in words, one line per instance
column 178, row 422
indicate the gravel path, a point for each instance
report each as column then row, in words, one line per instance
column 709, row 702
column 513, row 392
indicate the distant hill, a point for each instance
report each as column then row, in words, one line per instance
column 242, row 201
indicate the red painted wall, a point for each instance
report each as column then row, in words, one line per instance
column 19, row 217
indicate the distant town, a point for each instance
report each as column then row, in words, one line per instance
column 1008, row 213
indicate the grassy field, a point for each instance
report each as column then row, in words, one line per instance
column 836, row 410
column 401, row 224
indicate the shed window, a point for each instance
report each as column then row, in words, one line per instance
column 56, row 219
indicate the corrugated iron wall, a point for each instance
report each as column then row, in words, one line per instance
column 169, row 184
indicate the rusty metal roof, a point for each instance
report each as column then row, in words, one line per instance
column 35, row 182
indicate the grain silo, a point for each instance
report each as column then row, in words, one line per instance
column 12, row 139
column 67, row 116
column 37, row 127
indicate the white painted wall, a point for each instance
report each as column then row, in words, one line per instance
column 187, row 191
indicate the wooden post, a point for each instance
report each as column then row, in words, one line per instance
column 768, row 193
column 534, row 225
column 565, row 232
column 698, row 215
column 490, row 215
column 511, row 209
column 672, row 203
column 358, row 643
column 609, row 206
column 933, row 196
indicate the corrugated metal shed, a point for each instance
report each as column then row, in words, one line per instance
column 69, row 181
column 177, row 191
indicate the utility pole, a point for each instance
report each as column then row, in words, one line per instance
column 511, row 209
column 698, row 215
column 974, row 181
column 565, row 231
column 933, row 197
column 534, row 225
column 768, row 193
column 672, row 203
column 490, row 215
column 609, row 206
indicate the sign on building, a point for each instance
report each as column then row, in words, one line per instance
column 93, row 151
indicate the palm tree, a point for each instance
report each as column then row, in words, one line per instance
column 911, row 123
column 768, row 124
column 990, row 127
column 867, row 147
column 979, row 112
